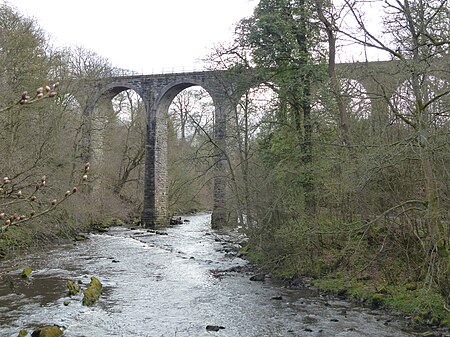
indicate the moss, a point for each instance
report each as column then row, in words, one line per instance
column 74, row 288
column 22, row 333
column 254, row 254
column 285, row 273
column 92, row 292
column 48, row 331
column 334, row 285
column 426, row 307
column 109, row 222
column 377, row 300
column 26, row 272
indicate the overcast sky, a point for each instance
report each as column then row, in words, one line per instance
column 142, row 35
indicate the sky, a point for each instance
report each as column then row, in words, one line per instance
column 146, row 36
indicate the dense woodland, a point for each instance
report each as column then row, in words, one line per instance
column 323, row 181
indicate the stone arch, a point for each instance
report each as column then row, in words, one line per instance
column 101, row 95
column 156, row 191
column 70, row 101
column 113, row 88
column 380, row 79
column 403, row 100
column 357, row 99
column 157, row 148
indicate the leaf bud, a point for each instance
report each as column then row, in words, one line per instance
column 2, row 215
column 85, row 177
column 47, row 88
column 6, row 180
column 87, row 167
column 67, row 194
column 54, row 201
column 40, row 95
column 33, row 198
column 7, row 222
column 40, row 90
column 19, row 193
column 43, row 178
column 52, row 94
column 74, row 190
column 25, row 95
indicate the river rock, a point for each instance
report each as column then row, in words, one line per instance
column 214, row 328
column 258, row 277
column 47, row 331
column 92, row 292
column 80, row 237
column 176, row 221
column 26, row 272
column 74, row 288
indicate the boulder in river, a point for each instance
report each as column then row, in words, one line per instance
column 258, row 277
column 74, row 288
column 92, row 292
column 176, row 221
column 214, row 328
column 26, row 272
column 47, row 331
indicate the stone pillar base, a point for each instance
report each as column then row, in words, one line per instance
column 151, row 220
column 218, row 219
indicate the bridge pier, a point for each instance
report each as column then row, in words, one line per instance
column 223, row 108
column 155, row 207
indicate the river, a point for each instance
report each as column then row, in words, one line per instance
column 167, row 284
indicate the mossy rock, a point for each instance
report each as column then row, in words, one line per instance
column 22, row 333
column 26, row 272
column 80, row 237
column 377, row 300
column 430, row 334
column 92, row 292
column 74, row 288
column 47, row 331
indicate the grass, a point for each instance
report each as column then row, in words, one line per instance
column 424, row 306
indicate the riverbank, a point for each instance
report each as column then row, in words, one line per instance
column 424, row 308
column 48, row 232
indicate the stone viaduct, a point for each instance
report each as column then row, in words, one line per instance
column 380, row 80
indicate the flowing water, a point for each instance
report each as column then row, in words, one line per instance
column 167, row 284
